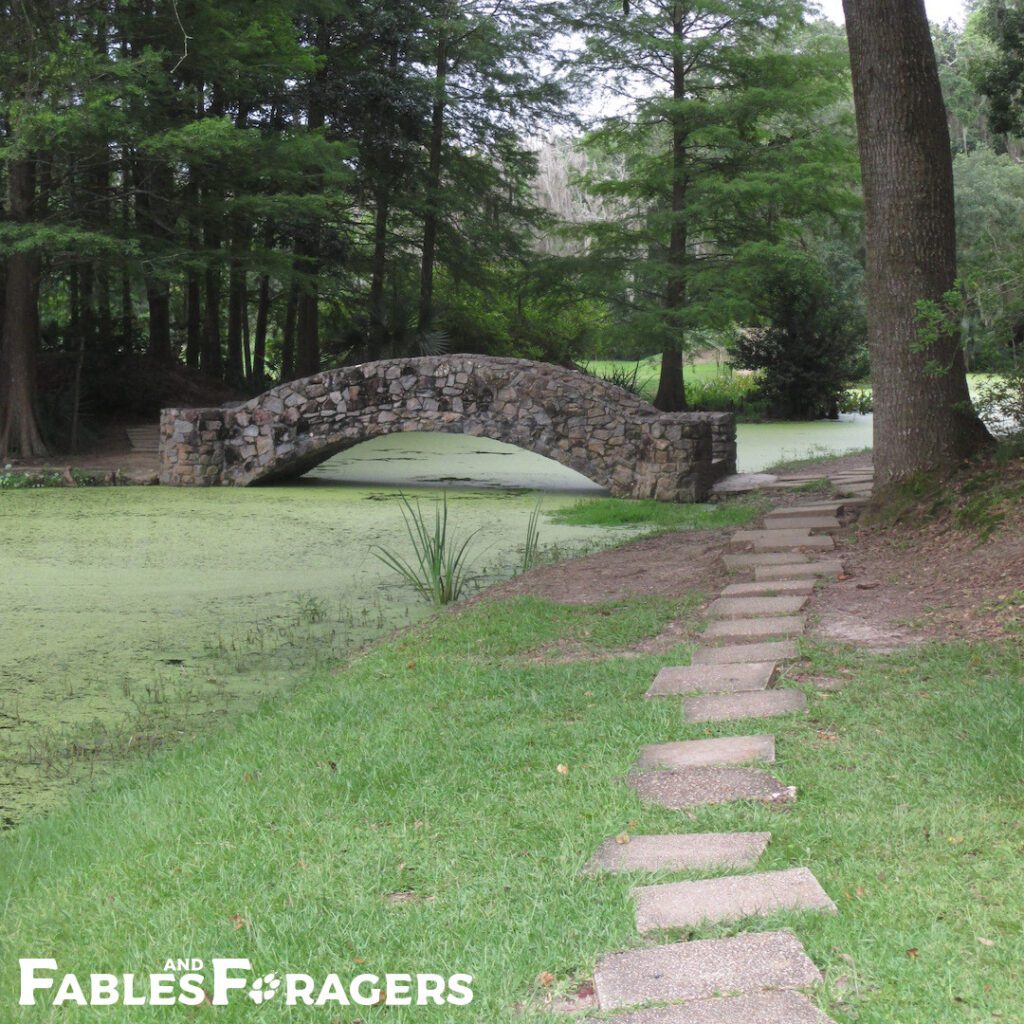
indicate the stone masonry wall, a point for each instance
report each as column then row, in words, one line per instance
column 607, row 434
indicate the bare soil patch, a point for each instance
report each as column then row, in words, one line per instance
column 932, row 581
column 924, row 575
column 667, row 565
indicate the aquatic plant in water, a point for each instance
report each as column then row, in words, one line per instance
column 438, row 570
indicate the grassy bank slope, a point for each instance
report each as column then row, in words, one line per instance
column 408, row 815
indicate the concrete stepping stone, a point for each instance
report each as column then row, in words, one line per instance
column 831, row 567
column 699, row 753
column 769, row 588
column 684, row 788
column 796, row 484
column 753, row 561
column 711, row 679
column 786, row 1007
column 688, row 971
column 818, row 508
column 751, row 607
column 816, row 524
column 782, row 540
column 688, row 852
column 688, row 904
column 734, row 654
column 730, row 707
column 754, row 629
column 742, row 483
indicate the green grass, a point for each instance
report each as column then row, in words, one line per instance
column 650, row 368
column 658, row 514
column 430, row 767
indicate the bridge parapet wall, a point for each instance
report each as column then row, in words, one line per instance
column 603, row 432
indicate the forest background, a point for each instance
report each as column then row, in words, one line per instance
column 206, row 197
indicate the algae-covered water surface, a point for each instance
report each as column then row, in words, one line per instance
column 134, row 616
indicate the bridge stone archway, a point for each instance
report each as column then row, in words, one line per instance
column 607, row 434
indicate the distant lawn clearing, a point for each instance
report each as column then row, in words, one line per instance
column 408, row 814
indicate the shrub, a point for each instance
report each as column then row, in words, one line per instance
column 1000, row 402
column 810, row 342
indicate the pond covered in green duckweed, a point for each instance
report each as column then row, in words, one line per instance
column 134, row 616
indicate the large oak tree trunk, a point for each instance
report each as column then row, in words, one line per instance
column 923, row 419
column 19, row 431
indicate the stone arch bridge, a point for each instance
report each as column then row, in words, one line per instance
column 607, row 434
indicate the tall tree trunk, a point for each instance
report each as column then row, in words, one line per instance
column 259, row 349
column 19, row 431
column 671, row 396
column 193, row 319
column 211, row 359
column 430, row 219
column 923, row 418
column 237, row 300
column 288, row 343
column 307, row 329
column 154, row 186
column 378, row 328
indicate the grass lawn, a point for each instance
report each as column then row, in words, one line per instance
column 650, row 368
column 660, row 515
column 407, row 813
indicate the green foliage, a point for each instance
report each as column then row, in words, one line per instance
column 531, row 547
column 811, row 341
column 626, row 377
column 438, row 570
column 726, row 392
column 754, row 140
column 1000, row 403
column 857, row 400
column 17, row 480
column 990, row 253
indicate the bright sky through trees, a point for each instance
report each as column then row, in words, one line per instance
column 939, row 11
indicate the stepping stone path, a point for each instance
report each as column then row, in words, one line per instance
column 730, row 707
column 696, row 851
column 738, row 654
column 770, row 588
column 820, row 523
column 763, row 1008
column 701, row 753
column 684, row 788
column 740, row 563
column 755, row 629
column 686, row 971
column 753, row 977
column 712, row 678
column 744, row 607
column 688, row 904
column 782, row 540
column 833, row 567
